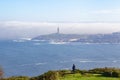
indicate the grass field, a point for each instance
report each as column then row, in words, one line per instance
column 86, row 77
column 94, row 74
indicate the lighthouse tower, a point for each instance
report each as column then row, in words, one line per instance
column 58, row 30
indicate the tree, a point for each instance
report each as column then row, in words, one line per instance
column 1, row 72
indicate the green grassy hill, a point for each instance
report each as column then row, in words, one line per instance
column 86, row 77
column 94, row 74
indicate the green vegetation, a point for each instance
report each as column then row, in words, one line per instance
column 50, row 75
column 17, row 78
column 86, row 77
column 93, row 74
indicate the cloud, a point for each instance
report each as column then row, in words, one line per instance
column 26, row 24
column 19, row 29
column 109, row 11
column 103, row 12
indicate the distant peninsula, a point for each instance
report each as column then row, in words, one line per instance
column 83, row 38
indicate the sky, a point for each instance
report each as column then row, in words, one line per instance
column 30, row 18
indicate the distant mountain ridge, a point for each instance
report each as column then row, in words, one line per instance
column 86, row 38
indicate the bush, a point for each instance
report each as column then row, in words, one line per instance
column 87, row 75
column 17, row 78
column 83, row 71
column 116, row 74
column 77, row 71
column 98, row 70
column 50, row 75
column 111, row 74
column 1, row 72
column 107, row 74
column 63, row 72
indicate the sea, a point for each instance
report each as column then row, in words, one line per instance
column 33, row 58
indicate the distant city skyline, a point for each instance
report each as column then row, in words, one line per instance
column 29, row 18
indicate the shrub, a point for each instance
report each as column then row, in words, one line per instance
column 50, row 75
column 83, row 71
column 63, row 72
column 1, row 72
column 115, row 74
column 17, row 78
column 98, row 70
column 87, row 75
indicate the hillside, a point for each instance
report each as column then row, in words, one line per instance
column 93, row 74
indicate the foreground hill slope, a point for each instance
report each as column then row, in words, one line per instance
column 93, row 74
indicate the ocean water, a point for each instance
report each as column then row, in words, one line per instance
column 32, row 58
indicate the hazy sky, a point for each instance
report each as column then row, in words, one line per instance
column 29, row 18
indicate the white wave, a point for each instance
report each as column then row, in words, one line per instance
column 71, row 40
column 89, row 61
column 64, row 61
column 39, row 40
column 77, row 59
column 36, row 40
column 96, row 61
column 26, row 39
column 33, row 64
column 39, row 64
column 26, row 64
column 85, row 61
column 55, row 42
column 37, row 43
column 114, row 61
column 18, row 40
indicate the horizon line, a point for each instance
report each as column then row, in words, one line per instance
column 64, row 21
